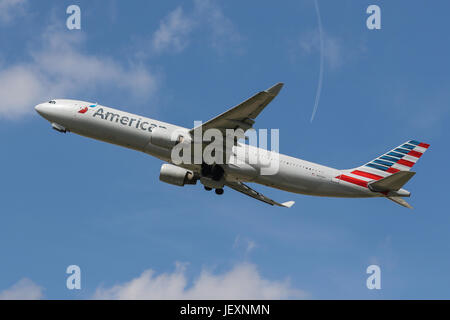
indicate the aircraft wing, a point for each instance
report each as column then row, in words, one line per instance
column 243, row 188
column 243, row 115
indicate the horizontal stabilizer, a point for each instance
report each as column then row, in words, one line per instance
column 288, row 204
column 400, row 201
column 391, row 183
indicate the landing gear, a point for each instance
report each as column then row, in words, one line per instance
column 218, row 191
column 212, row 175
column 206, row 170
column 213, row 171
column 217, row 172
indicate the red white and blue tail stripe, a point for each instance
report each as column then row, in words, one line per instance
column 401, row 158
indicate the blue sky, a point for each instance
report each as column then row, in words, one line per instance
column 70, row 200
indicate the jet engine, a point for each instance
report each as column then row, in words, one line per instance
column 176, row 175
column 166, row 139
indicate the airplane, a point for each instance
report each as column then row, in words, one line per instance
column 384, row 176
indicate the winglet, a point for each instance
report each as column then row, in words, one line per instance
column 273, row 91
column 287, row 204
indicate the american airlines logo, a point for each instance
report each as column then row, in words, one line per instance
column 85, row 109
column 124, row 120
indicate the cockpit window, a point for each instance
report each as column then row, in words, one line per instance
column 52, row 101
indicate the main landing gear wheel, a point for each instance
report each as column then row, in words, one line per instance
column 208, row 188
column 219, row 191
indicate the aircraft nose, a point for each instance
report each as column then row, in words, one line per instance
column 52, row 111
column 39, row 109
column 45, row 109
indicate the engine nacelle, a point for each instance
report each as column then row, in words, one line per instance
column 176, row 175
column 166, row 139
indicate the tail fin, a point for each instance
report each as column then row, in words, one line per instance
column 401, row 158
column 388, row 172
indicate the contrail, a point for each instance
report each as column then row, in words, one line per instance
column 319, row 85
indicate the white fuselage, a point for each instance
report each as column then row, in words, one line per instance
column 135, row 132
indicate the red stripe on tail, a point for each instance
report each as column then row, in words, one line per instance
column 367, row 175
column 392, row 170
column 415, row 154
column 358, row 182
column 405, row 162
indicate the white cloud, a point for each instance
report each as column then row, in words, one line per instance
column 11, row 8
column 241, row 282
column 173, row 34
column 332, row 47
column 223, row 32
column 58, row 68
column 24, row 289
column 20, row 89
